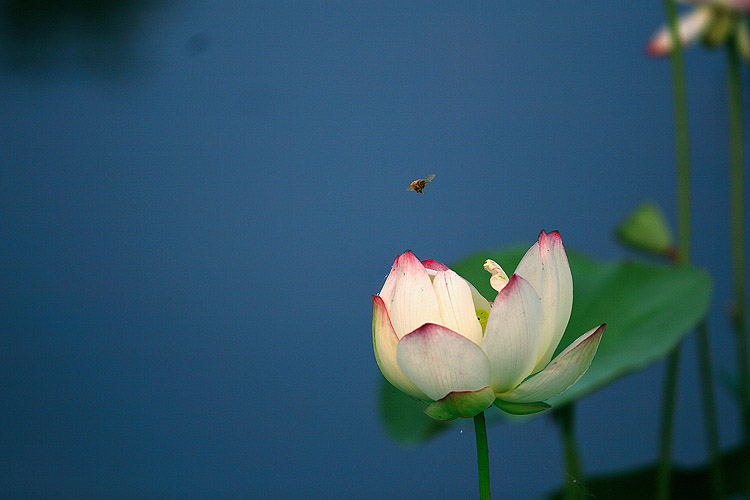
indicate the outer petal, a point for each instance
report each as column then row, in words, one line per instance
column 384, row 341
column 461, row 404
column 545, row 266
column 456, row 305
column 521, row 408
column 511, row 339
column 440, row 361
column 690, row 28
column 564, row 371
column 414, row 301
column 390, row 285
column 434, row 265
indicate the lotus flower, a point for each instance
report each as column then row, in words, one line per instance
column 711, row 21
column 437, row 339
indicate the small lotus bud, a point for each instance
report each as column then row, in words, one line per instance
column 647, row 230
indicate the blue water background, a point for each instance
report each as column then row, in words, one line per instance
column 199, row 198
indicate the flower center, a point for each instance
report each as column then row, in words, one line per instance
column 482, row 316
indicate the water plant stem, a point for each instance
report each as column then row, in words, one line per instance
column 737, row 208
column 483, row 458
column 682, row 141
column 682, row 149
column 709, row 412
column 664, row 472
column 575, row 488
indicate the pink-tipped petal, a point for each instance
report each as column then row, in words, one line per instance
column 530, row 267
column 433, row 265
column 414, row 301
column 545, row 266
column 512, row 335
column 561, row 373
column 384, row 342
column 386, row 293
column 440, row 361
column 456, row 305
column 690, row 27
column 660, row 44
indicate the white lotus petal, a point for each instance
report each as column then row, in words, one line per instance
column 414, row 301
column 433, row 266
column 545, row 266
column 456, row 305
column 440, row 361
column 479, row 301
column 384, row 342
column 386, row 293
column 690, row 27
column 512, row 335
column 561, row 373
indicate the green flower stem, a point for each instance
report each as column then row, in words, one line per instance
column 682, row 149
column 574, row 485
column 736, row 204
column 709, row 412
column 682, row 141
column 483, row 458
column 664, row 472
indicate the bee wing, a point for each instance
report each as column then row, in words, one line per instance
column 410, row 188
column 429, row 177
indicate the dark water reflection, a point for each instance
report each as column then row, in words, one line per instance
column 41, row 36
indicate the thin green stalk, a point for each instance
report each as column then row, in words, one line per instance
column 736, row 204
column 664, row 472
column 682, row 149
column 483, row 457
column 682, row 141
column 575, row 488
column 709, row 412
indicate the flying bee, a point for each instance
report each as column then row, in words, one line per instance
column 419, row 184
